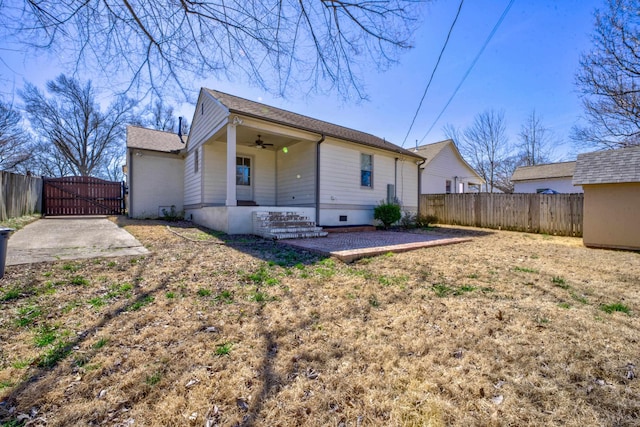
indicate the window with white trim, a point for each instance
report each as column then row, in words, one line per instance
column 366, row 170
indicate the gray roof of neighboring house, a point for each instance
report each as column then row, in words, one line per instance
column 151, row 139
column 257, row 110
column 608, row 167
column 551, row 170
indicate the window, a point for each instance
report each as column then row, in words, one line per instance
column 196, row 161
column 243, row 171
column 366, row 170
column 447, row 186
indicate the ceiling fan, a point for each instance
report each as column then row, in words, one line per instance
column 261, row 144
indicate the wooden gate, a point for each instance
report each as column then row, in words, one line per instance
column 82, row 195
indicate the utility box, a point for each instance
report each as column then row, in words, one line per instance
column 4, row 240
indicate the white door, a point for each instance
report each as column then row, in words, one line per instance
column 244, row 178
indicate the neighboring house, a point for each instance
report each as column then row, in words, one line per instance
column 155, row 172
column 611, row 183
column 552, row 177
column 244, row 157
column 445, row 171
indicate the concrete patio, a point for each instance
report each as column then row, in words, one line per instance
column 349, row 247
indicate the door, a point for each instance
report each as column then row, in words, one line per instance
column 244, row 178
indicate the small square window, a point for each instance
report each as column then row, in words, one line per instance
column 366, row 170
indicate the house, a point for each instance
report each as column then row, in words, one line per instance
column 552, row 177
column 445, row 171
column 611, row 183
column 155, row 172
column 243, row 159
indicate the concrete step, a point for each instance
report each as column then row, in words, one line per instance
column 294, row 235
column 310, row 229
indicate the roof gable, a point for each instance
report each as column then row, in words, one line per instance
column 608, row 167
column 432, row 151
column 260, row 111
column 551, row 170
column 154, row 140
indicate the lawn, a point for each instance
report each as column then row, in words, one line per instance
column 508, row 329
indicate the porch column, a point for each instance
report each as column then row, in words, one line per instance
column 231, row 165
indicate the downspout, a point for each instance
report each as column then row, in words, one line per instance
column 318, row 178
column 395, row 181
column 420, row 185
column 130, row 183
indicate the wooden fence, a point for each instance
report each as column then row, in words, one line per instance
column 19, row 195
column 558, row 214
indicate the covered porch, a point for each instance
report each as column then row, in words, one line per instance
column 247, row 166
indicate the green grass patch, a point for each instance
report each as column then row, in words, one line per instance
column 204, row 292
column 137, row 305
column 26, row 315
column 615, row 307
column 21, row 363
column 263, row 276
column 45, row 336
column 97, row 302
column 225, row 296
column 223, row 349
column 11, row 294
column 123, row 290
column 170, row 295
column 325, row 268
column 259, row 297
column 393, row 280
column 100, row 343
column 79, row 281
column 525, row 270
column 6, row 384
column 442, row 290
column 153, row 379
column 560, row 282
column 564, row 305
column 580, row 298
column 55, row 354
column 473, row 276
column 70, row 267
column 70, row 306
column 463, row 290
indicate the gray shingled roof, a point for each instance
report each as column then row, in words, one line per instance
column 151, row 139
column 608, row 167
column 551, row 170
column 276, row 115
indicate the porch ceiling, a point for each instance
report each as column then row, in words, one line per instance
column 246, row 137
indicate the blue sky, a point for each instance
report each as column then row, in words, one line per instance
column 530, row 63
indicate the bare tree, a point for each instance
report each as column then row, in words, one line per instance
column 609, row 79
column 161, row 117
column 75, row 135
column 485, row 146
column 536, row 143
column 14, row 142
column 279, row 46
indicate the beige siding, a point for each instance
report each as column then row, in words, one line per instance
column 446, row 166
column 407, row 191
column 192, row 180
column 340, row 174
column 611, row 215
column 264, row 174
column 157, row 183
column 296, row 175
column 215, row 186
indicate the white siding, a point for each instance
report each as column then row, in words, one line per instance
column 157, row 182
column 561, row 185
column 192, row 179
column 296, row 175
column 446, row 166
column 203, row 125
column 264, row 174
column 215, row 187
column 407, row 190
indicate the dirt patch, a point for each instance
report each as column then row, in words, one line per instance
column 508, row 329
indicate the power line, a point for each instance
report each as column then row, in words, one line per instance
column 466, row 74
column 433, row 73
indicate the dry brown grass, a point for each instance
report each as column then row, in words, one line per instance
column 505, row 330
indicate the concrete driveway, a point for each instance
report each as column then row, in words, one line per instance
column 56, row 238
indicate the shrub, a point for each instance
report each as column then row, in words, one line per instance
column 387, row 213
column 408, row 220
column 423, row 221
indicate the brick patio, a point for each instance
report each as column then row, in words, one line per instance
column 349, row 247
